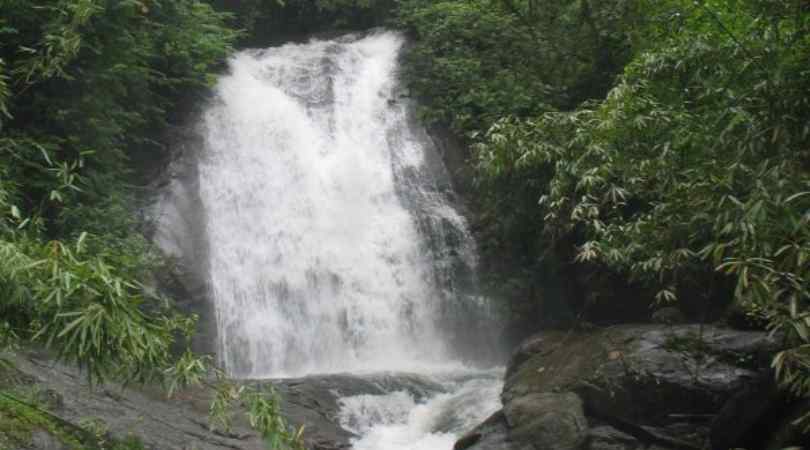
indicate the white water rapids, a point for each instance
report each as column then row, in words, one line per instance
column 399, row 422
column 331, row 244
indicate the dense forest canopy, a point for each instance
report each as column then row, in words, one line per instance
column 653, row 147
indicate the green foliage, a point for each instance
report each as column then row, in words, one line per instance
column 470, row 62
column 265, row 416
column 83, row 86
column 4, row 94
column 261, row 405
column 189, row 370
column 278, row 20
column 19, row 419
column 85, row 309
column 477, row 61
column 693, row 172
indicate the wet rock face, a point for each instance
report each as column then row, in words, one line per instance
column 679, row 387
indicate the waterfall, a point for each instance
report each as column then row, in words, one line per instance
column 332, row 244
column 320, row 222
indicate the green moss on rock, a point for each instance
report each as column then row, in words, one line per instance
column 25, row 426
column 20, row 423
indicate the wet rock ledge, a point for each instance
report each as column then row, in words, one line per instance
column 46, row 405
column 629, row 387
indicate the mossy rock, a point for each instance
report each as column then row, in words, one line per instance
column 23, row 426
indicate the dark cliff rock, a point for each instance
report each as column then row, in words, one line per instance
column 638, row 386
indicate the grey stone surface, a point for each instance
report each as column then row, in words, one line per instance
column 547, row 421
column 42, row 440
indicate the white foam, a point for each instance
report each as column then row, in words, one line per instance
column 397, row 421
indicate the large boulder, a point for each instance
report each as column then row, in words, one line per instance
column 642, row 386
column 622, row 360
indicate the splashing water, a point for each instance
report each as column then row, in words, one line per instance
column 397, row 421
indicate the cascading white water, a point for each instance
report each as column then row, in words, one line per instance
column 330, row 243
column 316, row 263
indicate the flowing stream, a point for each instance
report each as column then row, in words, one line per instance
column 331, row 242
